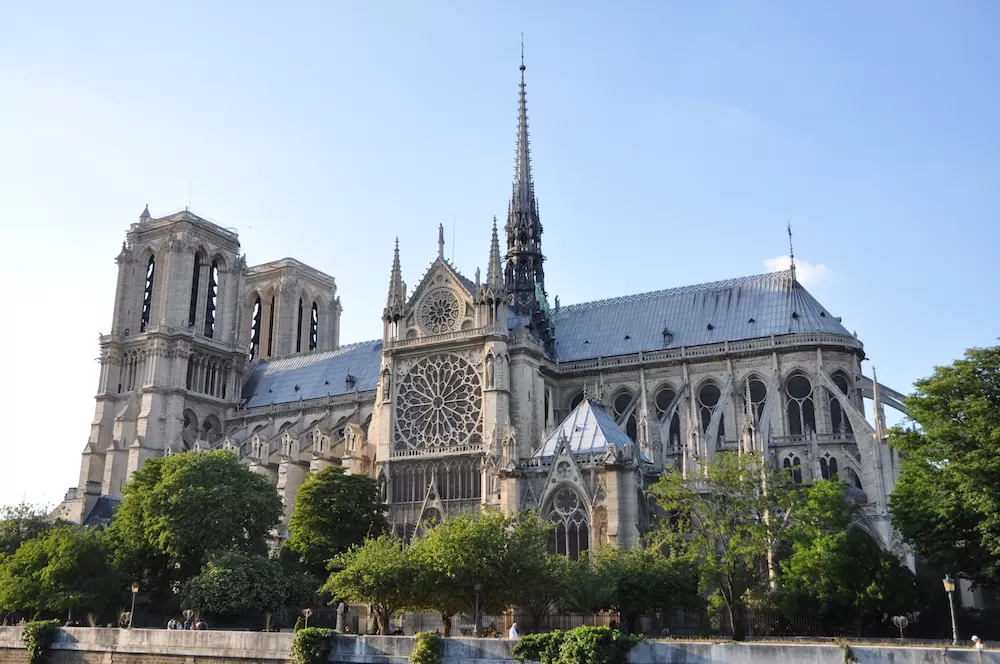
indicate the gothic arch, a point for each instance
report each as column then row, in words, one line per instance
column 567, row 510
column 665, row 396
column 189, row 433
column 211, row 429
column 709, row 398
column 620, row 403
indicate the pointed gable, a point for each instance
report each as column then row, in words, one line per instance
column 441, row 303
column 589, row 429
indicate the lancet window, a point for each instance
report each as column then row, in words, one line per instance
column 457, row 479
column 801, row 411
column 195, row 278
column 662, row 400
column 255, row 329
column 570, row 535
column 793, row 465
column 211, row 302
column 314, row 327
column 758, row 396
column 828, row 468
column 147, row 294
column 708, row 400
column 838, row 419
column 298, row 330
column 620, row 406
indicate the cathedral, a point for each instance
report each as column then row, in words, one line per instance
column 481, row 392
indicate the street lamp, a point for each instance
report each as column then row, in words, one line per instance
column 131, row 614
column 307, row 612
column 949, row 587
column 478, row 588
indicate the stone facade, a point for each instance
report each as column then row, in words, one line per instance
column 480, row 393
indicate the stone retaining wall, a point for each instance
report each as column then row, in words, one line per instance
column 80, row 645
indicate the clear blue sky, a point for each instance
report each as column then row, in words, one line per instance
column 671, row 143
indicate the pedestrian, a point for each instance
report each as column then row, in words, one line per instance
column 977, row 643
column 512, row 632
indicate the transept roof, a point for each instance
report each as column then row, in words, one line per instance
column 745, row 308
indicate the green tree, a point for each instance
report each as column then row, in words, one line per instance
column 945, row 502
column 381, row 573
column 634, row 582
column 236, row 584
column 840, row 575
column 475, row 563
column 180, row 510
column 65, row 569
column 19, row 523
column 724, row 521
column 333, row 512
column 550, row 583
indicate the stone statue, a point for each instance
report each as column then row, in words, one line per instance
column 341, row 616
column 490, row 370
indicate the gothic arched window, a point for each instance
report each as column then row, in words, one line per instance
column 708, row 399
column 255, row 329
column 576, row 401
column 212, row 300
column 270, row 327
column 801, row 412
column 662, row 400
column 758, row 395
column 571, row 534
column 794, row 466
column 298, row 330
column 147, row 294
column 824, row 469
column 620, row 406
column 838, row 419
column 195, row 278
column 314, row 327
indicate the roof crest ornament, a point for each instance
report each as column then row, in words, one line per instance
column 791, row 252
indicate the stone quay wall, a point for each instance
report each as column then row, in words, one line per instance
column 81, row 645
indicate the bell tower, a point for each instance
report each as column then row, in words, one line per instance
column 172, row 363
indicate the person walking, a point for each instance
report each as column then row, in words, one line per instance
column 512, row 632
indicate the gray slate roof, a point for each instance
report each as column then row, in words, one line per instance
column 314, row 375
column 589, row 429
column 745, row 308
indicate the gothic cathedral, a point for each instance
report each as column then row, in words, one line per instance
column 480, row 392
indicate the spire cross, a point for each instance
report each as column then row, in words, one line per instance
column 791, row 251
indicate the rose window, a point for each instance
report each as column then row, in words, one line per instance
column 438, row 403
column 439, row 311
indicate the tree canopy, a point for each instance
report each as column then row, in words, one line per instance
column 945, row 502
column 180, row 510
column 19, row 523
column 62, row 570
column 237, row 584
column 334, row 511
column 727, row 522
column 381, row 572
column 489, row 551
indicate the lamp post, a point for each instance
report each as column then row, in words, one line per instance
column 478, row 588
column 131, row 614
column 307, row 612
column 949, row 587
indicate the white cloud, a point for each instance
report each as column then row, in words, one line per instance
column 805, row 272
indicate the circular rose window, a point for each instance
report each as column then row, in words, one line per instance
column 438, row 403
column 439, row 311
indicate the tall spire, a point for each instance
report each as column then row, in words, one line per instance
column 494, row 270
column 395, row 301
column 441, row 241
column 524, row 274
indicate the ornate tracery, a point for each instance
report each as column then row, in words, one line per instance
column 439, row 404
column 571, row 534
column 439, row 311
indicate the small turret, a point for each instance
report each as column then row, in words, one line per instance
column 145, row 216
column 396, row 300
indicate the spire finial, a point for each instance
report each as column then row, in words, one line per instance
column 522, row 51
column 394, row 302
column 441, row 241
column 791, row 252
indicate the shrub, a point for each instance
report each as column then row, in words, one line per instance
column 542, row 647
column 312, row 645
column 298, row 624
column 38, row 636
column 596, row 645
column 582, row 645
column 427, row 649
